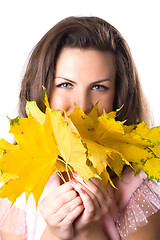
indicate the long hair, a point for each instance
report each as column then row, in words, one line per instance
column 85, row 33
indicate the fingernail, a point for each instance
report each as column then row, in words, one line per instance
column 82, row 191
column 75, row 174
column 73, row 181
column 82, row 205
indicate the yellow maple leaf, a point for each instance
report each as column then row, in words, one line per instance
column 34, row 156
column 69, row 143
column 45, row 145
column 32, row 108
column 88, row 144
column 97, row 154
column 4, row 148
column 132, row 145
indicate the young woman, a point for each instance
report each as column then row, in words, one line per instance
column 85, row 60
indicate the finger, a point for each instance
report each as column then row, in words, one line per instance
column 98, row 189
column 92, row 182
column 78, row 186
column 73, row 215
column 65, row 198
column 72, row 209
column 96, row 182
column 95, row 187
column 62, row 188
column 89, row 200
column 89, row 184
column 57, row 198
column 69, row 207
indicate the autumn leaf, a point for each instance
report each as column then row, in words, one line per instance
column 84, row 124
column 135, row 144
column 46, row 102
column 86, row 143
column 69, row 143
column 34, row 156
column 32, row 108
column 45, row 145
column 4, row 148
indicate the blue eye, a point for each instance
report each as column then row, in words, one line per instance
column 100, row 88
column 64, row 85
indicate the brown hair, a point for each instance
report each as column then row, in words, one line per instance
column 85, row 32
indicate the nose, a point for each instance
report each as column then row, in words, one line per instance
column 83, row 101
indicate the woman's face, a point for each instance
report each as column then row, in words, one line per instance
column 84, row 77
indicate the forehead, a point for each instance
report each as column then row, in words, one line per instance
column 77, row 62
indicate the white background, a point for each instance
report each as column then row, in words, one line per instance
column 24, row 22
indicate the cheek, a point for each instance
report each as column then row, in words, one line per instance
column 59, row 102
column 106, row 104
column 56, row 102
column 107, row 108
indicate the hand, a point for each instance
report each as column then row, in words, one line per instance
column 95, row 200
column 60, row 209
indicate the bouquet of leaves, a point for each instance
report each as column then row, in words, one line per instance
column 89, row 144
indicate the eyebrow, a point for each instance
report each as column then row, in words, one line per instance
column 66, row 79
column 99, row 81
